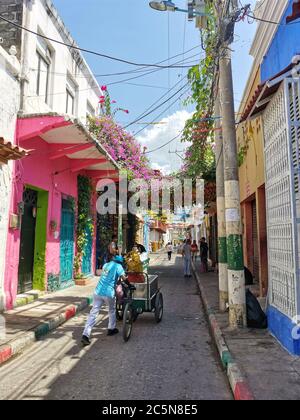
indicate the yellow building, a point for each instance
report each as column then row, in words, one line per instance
column 252, row 187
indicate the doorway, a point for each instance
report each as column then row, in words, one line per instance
column 67, row 241
column 27, row 244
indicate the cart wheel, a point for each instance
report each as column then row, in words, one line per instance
column 127, row 322
column 135, row 315
column 159, row 307
column 119, row 312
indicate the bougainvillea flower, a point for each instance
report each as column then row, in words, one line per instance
column 122, row 147
column 104, row 88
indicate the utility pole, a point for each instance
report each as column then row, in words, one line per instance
column 236, row 276
column 223, row 278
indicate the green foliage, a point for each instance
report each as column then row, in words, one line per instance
column 199, row 159
column 39, row 275
column 201, row 162
column 85, row 225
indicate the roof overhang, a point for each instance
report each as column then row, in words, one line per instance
column 69, row 138
column 265, row 92
column 9, row 151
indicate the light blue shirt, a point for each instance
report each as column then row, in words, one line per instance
column 109, row 277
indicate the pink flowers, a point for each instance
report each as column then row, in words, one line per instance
column 122, row 146
column 104, row 88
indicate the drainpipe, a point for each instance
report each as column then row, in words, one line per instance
column 24, row 53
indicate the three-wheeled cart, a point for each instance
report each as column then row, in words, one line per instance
column 143, row 295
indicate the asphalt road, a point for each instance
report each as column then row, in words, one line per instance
column 173, row 360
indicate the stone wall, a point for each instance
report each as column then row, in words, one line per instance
column 9, row 34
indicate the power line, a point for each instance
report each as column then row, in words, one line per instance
column 64, row 74
column 159, row 106
column 166, row 144
column 252, row 16
column 148, row 86
column 84, row 49
column 137, row 77
column 158, row 100
column 96, row 86
column 162, row 113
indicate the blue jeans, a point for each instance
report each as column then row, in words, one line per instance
column 187, row 266
column 99, row 301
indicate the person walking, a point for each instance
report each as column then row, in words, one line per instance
column 113, row 248
column 187, row 258
column 194, row 249
column 204, row 255
column 105, row 294
column 170, row 250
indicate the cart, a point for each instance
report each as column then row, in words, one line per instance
column 142, row 295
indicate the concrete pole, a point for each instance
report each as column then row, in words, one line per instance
column 223, row 278
column 236, row 277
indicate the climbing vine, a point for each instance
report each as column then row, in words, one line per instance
column 199, row 158
column 85, row 225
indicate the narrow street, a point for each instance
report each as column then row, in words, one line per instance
column 172, row 360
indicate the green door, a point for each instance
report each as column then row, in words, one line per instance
column 25, row 276
column 86, row 267
column 67, row 242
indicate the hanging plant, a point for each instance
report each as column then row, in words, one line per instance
column 199, row 161
column 85, row 225
column 121, row 146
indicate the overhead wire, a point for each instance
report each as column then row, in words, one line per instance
column 75, row 47
column 142, row 70
column 157, row 101
column 162, row 113
column 157, row 107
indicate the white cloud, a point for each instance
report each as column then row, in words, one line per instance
column 160, row 134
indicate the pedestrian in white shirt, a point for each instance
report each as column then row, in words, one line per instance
column 187, row 258
column 170, row 250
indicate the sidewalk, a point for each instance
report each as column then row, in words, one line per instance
column 26, row 324
column 265, row 370
column 155, row 256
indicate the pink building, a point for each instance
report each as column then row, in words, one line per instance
column 41, row 236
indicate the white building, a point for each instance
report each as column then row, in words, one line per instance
column 56, row 78
column 9, row 105
column 37, row 77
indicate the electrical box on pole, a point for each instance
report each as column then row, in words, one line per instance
column 196, row 7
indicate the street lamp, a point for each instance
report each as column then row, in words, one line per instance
column 169, row 6
column 163, row 6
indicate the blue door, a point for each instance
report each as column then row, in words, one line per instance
column 86, row 267
column 67, row 242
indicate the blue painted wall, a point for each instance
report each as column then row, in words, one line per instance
column 285, row 45
column 283, row 329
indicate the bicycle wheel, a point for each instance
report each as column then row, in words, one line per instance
column 119, row 312
column 127, row 322
column 159, row 307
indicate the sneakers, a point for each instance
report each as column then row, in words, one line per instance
column 85, row 341
column 112, row 332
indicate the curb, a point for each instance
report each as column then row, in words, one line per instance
column 26, row 298
column 238, row 383
column 13, row 347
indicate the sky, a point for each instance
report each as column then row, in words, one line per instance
column 131, row 30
